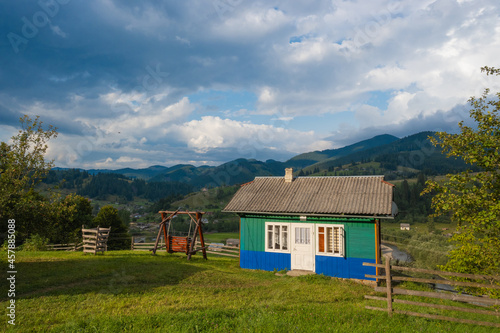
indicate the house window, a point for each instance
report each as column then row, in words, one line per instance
column 330, row 240
column 302, row 236
column 277, row 237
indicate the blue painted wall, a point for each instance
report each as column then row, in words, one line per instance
column 267, row 261
column 350, row 268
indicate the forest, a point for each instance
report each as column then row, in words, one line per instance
column 101, row 185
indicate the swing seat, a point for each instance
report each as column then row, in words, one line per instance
column 178, row 244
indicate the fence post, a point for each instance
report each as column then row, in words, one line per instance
column 389, row 285
column 132, row 244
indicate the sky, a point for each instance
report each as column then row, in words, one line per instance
column 203, row 82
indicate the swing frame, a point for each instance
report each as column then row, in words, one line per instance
column 179, row 243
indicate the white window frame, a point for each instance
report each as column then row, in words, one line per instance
column 279, row 226
column 341, row 240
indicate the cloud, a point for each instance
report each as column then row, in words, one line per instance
column 214, row 132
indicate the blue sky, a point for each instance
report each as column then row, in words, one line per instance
column 134, row 84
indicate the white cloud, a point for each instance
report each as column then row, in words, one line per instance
column 213, row 132
column 252, row 23
column 150, row 116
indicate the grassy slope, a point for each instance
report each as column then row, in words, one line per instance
column 136, row 292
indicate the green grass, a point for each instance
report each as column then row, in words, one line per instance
column 220, row 237
column 124, row 291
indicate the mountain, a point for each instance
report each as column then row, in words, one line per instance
column 306, row 159
column 146, row 173
column 414, row 153
column 382, row 154
column 230, row 173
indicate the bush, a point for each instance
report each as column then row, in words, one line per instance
column 35, row 243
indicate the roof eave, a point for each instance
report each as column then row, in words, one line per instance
column 386, row 217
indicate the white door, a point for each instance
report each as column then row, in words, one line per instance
column 303, row 246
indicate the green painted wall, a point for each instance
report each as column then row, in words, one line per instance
column 360, row 240
column 360, row 233
column 252, row 234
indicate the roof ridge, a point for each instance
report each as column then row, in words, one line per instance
column 357, row 176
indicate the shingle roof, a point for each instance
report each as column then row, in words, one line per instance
column 352, row 195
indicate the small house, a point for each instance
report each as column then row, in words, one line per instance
column 233, row 242
column 404, row 226
column 327, row 225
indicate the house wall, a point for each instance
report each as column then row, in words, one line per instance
column 359, row 246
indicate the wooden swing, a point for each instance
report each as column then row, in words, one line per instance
column 180, row 243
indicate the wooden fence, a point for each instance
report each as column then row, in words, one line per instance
column 390, row 291
column 95, row 239
column 65, row 247
column 213, row 248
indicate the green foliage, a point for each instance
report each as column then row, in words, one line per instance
column 104, row 184
column 412, row 207
column 67, row 179
column 473, row 199
column 35, row 243
column 22, row 166
column 119, row 237
column 68, row 216
column 124, row 216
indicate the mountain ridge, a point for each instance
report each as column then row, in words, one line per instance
column 383, row 154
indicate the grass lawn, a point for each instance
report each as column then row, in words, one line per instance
column 125, row 291
column 220, row 237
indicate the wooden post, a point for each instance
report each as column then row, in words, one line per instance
column 377, row 246
column 96, row 240
column 157, row 239
column 389, row 285
column 132, row 244
column 193, row 242
column 165, row 238
column 202, row 240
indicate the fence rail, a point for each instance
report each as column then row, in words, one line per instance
column 65, row 247
column 213, row 248
column 390, row 291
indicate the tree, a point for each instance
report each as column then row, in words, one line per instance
column 68, row 216
column 108, row 217
column 22, row 166
column 473, row 198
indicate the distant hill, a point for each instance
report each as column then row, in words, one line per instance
column 306, row 159
column 414, row 152
column 382, row 154
column 146, row 173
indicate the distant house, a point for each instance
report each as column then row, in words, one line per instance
column 328, row 225
column 233, row 242
column 404, row 226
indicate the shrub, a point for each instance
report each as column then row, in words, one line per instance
column 35, row 243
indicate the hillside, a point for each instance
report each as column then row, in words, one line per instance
column 412, row 154
column 307, row 159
